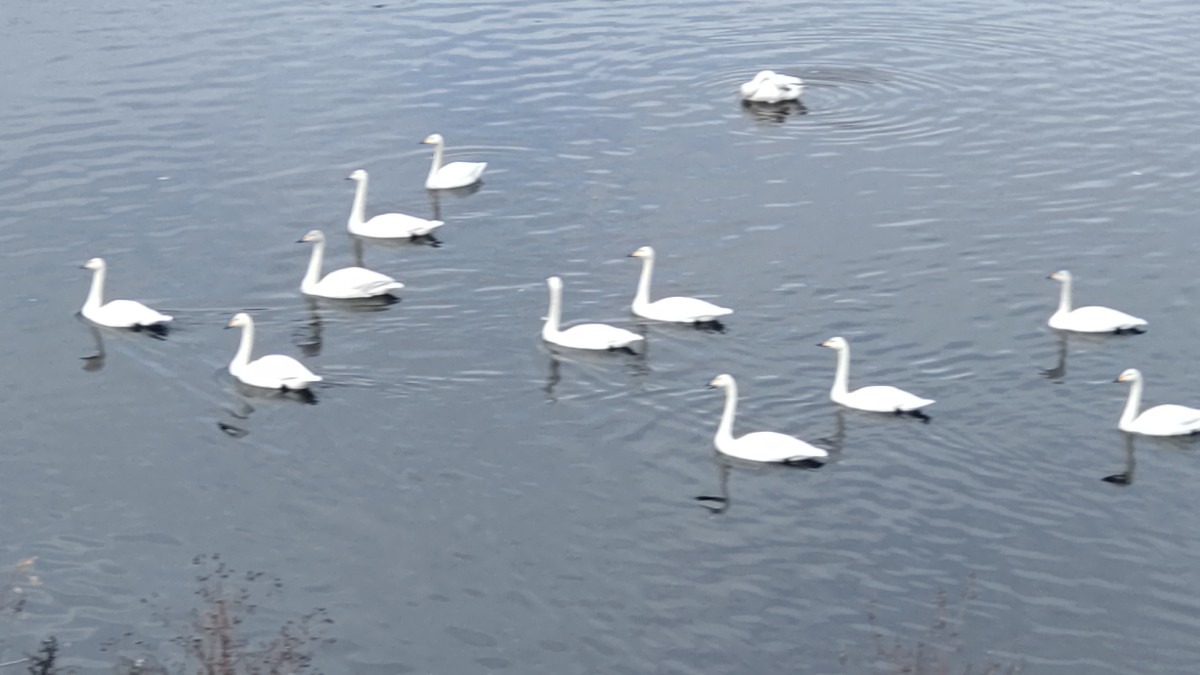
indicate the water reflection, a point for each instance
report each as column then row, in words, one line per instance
column 720, row 503
column 834, row 443
column 1125, row 477
column 635, row 361
column 773, row 113
column 1059, row 370
column 94, row 362
column 304, row 396
column 237, row 430
column 308, row 337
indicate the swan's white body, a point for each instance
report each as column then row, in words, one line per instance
column 1161, row 420
column 343, row 284
column 452, row 175
column 116, row 313
column 676, row 309
column 1093, row 319
column 384, row 225
column 582, row 336
column 760, row 446
column 771, row 87
column 273, row 371
column 872, row 399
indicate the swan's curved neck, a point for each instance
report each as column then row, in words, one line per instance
column 358, row 211
column 313, row 275
column 1134, row 404
column 1064, row 299
column 437, row 160
column 95, row 296
column 643, row 289
column 841, row 379
column 725, row 429
column 555, row 314
column 242, row 357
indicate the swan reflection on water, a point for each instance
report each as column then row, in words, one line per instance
column 634, row 360
column 773, row 113
column 722, row 501
column 95, row 361
column 1125, row 477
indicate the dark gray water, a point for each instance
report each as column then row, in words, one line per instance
column 461, row 499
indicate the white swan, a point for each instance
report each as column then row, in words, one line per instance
column 452, row 175
column 384, row 225
column 771, row 87
column 273, row 371
column 346, row 283
column 760, row 446
column 1093, row 319
column 116, row 313
column 678, row 309
column 585, row 335
column 872, row 399
column 1161, row 420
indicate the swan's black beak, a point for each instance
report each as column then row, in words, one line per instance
column 349, row 178
column 709, row 386
column 1117, row 379
column 227, row 326
column 300, row 241
column 631, row 255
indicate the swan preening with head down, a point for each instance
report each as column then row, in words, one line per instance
column 452, row 175
column 346, row 283
column 872, row 399
column 1092, row 319
column 771, row 87
column 677, row 309
column 384, row 225
column 585, row 335
column 760, row 446
column 117, row 313
column 273, row 371
column 1161, row 420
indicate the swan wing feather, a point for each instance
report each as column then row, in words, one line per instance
column 883, row 398
column 771, row 446
column 126, row 314
column 596, row 336
column 456, row 174
column 394, row 226
column 275, row 371
column 682, row 309
column 1168, row 420
column 1096, row 319
column 355, row 282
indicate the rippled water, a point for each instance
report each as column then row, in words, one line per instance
column 462, row 499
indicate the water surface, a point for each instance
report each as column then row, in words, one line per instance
column 462, row 499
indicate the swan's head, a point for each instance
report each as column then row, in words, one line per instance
column 838, row 343
column 554, row 283
column 764, row 75
column 1130, row 375
column 239, row 320
column 643, row 252
column 95, row 264
column 313, row 235
column 1061, row 275
column 723, row 380
column 434, row 139
column 358, row 175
